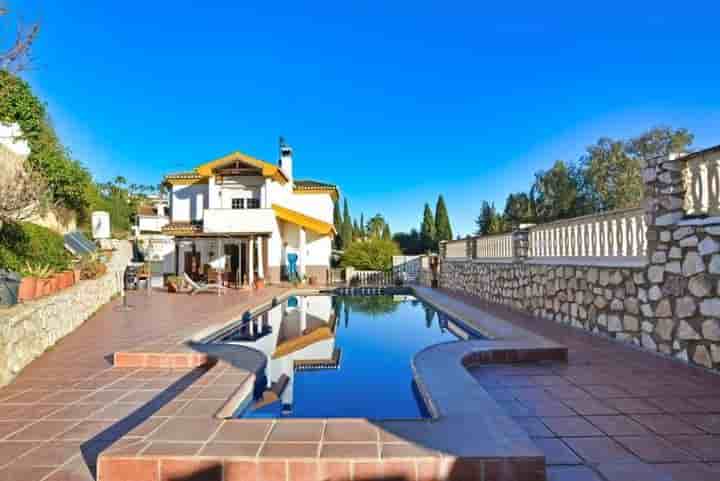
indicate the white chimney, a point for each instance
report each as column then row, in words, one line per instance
column 286, row 161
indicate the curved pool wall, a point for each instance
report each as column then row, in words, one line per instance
column 343, row 356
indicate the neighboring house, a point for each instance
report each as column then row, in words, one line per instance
column 255, row 214
column 152, row 215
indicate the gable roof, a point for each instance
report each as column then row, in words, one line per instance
column 201, row 173
column 315, row 187
column 267, row 169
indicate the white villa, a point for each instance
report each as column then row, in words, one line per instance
column 255, row 214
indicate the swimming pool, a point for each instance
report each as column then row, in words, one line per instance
column 342, row 356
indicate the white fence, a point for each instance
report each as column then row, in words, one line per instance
column 495, row 246
column 701, row 175
column 619, row 233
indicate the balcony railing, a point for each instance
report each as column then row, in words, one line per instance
column 238, row 221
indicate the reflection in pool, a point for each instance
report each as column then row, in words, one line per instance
column 342, row 356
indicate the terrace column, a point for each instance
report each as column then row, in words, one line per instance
column 301, row 257
column 251, row 264
column 261, row 274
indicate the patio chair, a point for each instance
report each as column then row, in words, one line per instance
column 202, row 287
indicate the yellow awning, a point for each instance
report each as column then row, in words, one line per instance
column 293, row 345
column 310, row 223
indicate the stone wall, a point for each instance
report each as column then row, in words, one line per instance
column 27, row 330
column 669, row 303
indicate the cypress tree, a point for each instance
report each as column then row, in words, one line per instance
column 347, row 231
column 427, row 229
column 443, row 231
column 338, row 223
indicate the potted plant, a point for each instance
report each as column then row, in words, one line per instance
column 43, row 275
column 28, row 284
column 175, row 284
column 259, row 283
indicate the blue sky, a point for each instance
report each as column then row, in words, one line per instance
column 395, row 102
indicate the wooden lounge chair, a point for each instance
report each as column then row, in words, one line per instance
column 202, row 287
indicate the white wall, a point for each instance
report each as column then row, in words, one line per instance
column 189, row 202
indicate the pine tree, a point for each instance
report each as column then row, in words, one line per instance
column 347, row 230
column 338, row 223
column 386, row 235
column 427, row 229
column 443, row 231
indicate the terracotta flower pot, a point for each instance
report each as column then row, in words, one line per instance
column 28, row 285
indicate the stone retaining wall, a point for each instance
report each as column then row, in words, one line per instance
column 27, row 330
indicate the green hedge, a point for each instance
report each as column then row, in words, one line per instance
column 25, row 242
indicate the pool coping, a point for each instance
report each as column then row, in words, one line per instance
column 469, row 435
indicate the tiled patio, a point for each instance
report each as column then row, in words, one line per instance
column 70, row 404
column 610, row 413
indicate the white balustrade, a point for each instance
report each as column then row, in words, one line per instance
column 619, row 233
column 701, row 175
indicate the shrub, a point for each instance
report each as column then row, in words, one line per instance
column 371, row 255
column 21, row 243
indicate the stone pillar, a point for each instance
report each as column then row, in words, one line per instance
column 664, row 195
column 520, row 244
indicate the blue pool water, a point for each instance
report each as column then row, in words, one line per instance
column 342, row 356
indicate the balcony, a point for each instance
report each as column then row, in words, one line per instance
column 238, row 221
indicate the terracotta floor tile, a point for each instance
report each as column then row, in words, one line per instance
column 289, row 450
column 633, row 406
column 349, row 450
column 24, row 473
column 87, row 430
column 599, row 450
column 652, row 449
column 185, row 429
column 707, row 448
column 556, row 452
column 710, row 423
column 296, row 431
column 635, row 472
column 571, row 473
column 339, row 431
column 11, row 450
column 618, row 425
column 571, row 426
column 548, row 408
column 589, row 407
column 53, row 453
column 665, row 424
column 605, row 391
column 42, row 431
column 215, row 448
column 162, row 448
column 245, row 431
column 534, row 427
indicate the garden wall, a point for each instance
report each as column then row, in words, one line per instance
column 666, row 300
column 27, row 330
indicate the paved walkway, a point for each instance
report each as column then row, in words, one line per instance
column 70, row 403
column 612, row 412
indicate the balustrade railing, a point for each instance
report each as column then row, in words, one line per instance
column 619, row 233
column 701, row 175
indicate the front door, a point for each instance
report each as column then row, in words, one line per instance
column 233, row 253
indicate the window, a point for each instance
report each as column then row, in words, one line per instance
column 238, row 204
column 253, row 203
